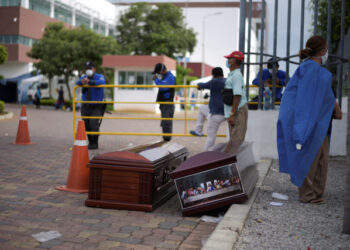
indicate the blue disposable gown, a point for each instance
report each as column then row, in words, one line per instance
column 305, row 115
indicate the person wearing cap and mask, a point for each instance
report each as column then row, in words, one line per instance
column 236, row 110
column 304, row 122
column 91, row 78
column 267, row 78
column 161, row 76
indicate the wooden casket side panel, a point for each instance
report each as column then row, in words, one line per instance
column 119, row 185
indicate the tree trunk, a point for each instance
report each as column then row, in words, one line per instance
column 66, row 79
column 346, row 222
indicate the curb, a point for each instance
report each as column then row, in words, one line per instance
column 227, row 232
column 7, row 116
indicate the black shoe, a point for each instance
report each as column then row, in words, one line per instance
column 92, row 146
column 166, row 138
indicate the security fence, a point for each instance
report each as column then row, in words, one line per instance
column 185, row 118
column 247, row 8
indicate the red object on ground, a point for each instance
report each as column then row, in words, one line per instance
column 78, row 176
column 23, row 131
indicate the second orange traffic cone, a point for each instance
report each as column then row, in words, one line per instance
column 23, row 130
column 78, row 176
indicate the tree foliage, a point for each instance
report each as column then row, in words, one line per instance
column 3, row 54
column 335, row 20
column 62, row 51
column 143, row 30
column 181, row 73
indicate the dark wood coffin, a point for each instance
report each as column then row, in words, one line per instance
column 136, row 178
column 212, row 179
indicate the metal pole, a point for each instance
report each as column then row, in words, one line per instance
column 288, row 39
column 248, row 47
column 242, row 14
column 203, row 49
column 274, row 55
column 329, row 27
column 302, row 24
column 341, row 52
column 261, row 52
column 315, row 17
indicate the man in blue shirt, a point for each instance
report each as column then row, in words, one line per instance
column 216, row 106
column 267, row 78
column 164, row 77
column 91, row 78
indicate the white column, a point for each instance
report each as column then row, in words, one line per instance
column 107, row 29
column 91, row 22
column 25, row 4
column 116, row 82
column 73, row 16
column 52, row 8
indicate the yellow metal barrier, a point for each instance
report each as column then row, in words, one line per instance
column 185, row 119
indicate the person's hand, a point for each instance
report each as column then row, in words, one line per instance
column 231, row 120
column 154, row 77
column 268, row 81
column 337, row 114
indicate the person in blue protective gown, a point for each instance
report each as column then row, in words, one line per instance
column 304, row 123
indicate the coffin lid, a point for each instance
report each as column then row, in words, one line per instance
column 145, row 155
column 201, row 162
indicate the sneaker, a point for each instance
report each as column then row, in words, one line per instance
column 193, row 132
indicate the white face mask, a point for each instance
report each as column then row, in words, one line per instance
column 159, row 76
column 324, row 58
column 89, row 72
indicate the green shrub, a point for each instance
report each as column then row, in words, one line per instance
column 48, row 102
column 109, row 107
column 2, row 107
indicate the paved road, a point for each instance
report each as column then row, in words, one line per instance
column 30, row 204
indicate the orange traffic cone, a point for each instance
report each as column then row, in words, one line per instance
column 23, row 131
column 78, row 177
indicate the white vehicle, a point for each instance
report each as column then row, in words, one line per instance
column 29, row 87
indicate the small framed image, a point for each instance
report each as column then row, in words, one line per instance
column 210, row 185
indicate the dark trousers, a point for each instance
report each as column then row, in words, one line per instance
column 92, row 124
column 167, row 111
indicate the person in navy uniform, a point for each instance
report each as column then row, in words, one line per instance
column 161, row 76
column 267, row 78
column 91, row 78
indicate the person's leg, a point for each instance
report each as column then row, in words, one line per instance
column 203, row 112
column 313, row 185
column 238, row 131
column 213, row 125
column 95, row 124
column 167, row 111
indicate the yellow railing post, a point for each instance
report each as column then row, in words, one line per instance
column 185, row 108
column 73, row 110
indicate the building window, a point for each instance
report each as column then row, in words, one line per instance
column 15, row 39
column 135, row 77
column 40, row 6
column 63, row 14
column 10, row 2
column 81, row 20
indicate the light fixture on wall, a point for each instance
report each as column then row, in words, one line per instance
column 15, row 19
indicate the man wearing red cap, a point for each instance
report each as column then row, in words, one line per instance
column 235, row 102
